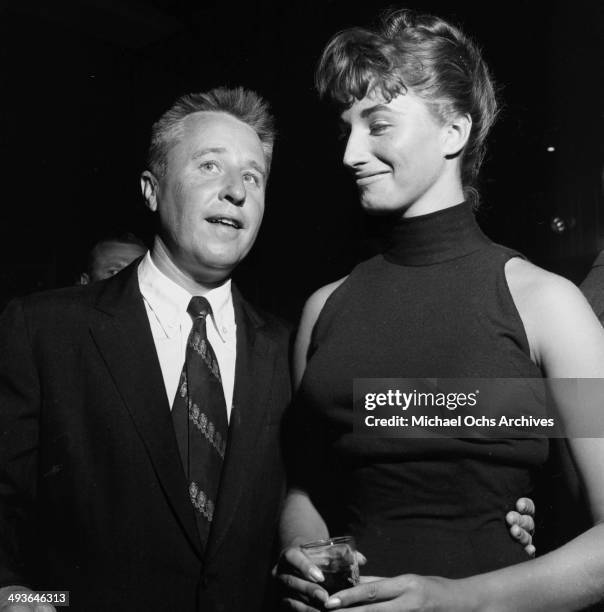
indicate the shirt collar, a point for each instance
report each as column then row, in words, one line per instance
column 169, row 301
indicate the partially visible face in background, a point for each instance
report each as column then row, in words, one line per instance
column 108, row 258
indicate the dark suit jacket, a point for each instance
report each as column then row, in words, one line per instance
column 93, row 498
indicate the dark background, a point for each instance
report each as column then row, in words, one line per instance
column 81, row 83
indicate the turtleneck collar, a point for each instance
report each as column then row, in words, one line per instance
column 439, row 236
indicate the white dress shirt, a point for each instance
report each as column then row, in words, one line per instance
column 166, row 304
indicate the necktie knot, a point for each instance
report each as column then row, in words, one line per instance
column 199, row 307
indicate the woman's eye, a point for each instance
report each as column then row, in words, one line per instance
column 378, row 128
column 209, row 166
column 251, row 178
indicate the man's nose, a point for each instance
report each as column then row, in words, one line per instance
column 233, row 189
column 355, row 154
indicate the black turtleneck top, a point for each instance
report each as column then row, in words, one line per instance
column 435, row 304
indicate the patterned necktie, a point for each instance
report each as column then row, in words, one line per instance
column 200, row 418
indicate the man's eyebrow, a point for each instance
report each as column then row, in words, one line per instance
column 366, row 112
column 202, row 152
column 252, row 163
column 256, row 166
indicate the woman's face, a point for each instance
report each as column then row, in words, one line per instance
column 397, row 153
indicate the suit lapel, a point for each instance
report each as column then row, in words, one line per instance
column 254, row 371
column 123, row 336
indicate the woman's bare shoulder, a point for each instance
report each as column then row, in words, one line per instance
column 310, row 314
column 314, row 304
column 556, row 316
column 532, row 281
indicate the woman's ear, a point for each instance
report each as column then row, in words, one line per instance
column 149, row 188
column 457, row 133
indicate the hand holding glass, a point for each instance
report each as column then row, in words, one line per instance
column 336, row 558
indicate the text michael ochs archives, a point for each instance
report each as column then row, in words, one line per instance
column 502, row 407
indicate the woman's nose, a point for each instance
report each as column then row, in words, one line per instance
column 355, row 153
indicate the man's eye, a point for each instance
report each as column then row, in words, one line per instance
column 251, row 178
column 209, row 166
column 378, row 128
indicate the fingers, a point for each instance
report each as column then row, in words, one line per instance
column 525, row 505
column 524, row 537
column 300, row 562
column 292, row 604
column 524, row 521
column 302, row 587
column 367, row 592
column 299, row 576
column 369, row 579
column 361, row 558
column 512, row 518
column 522, row 528
column 527, row 523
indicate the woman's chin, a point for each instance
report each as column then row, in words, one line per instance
column 381, row 207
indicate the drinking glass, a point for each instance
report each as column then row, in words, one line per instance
column 336, row 558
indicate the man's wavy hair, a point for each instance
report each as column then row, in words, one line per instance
column 423, row 54
column 243, row 104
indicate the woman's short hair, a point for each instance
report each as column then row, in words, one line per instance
column 243, row 104
column 421, row 53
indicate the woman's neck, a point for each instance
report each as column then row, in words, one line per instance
column 447, row 191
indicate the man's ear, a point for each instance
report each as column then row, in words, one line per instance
column 456, row 135
column 149, row 188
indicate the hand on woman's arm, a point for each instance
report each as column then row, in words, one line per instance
column 522, row 524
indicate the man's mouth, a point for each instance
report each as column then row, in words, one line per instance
column 228, row 221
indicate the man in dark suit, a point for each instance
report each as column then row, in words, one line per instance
column 94, row 499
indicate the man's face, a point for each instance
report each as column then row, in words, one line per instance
column 211, row 199
column 108, row 258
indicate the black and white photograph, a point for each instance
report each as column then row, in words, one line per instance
column 301, row 306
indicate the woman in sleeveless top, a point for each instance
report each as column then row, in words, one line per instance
column 442, row 301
